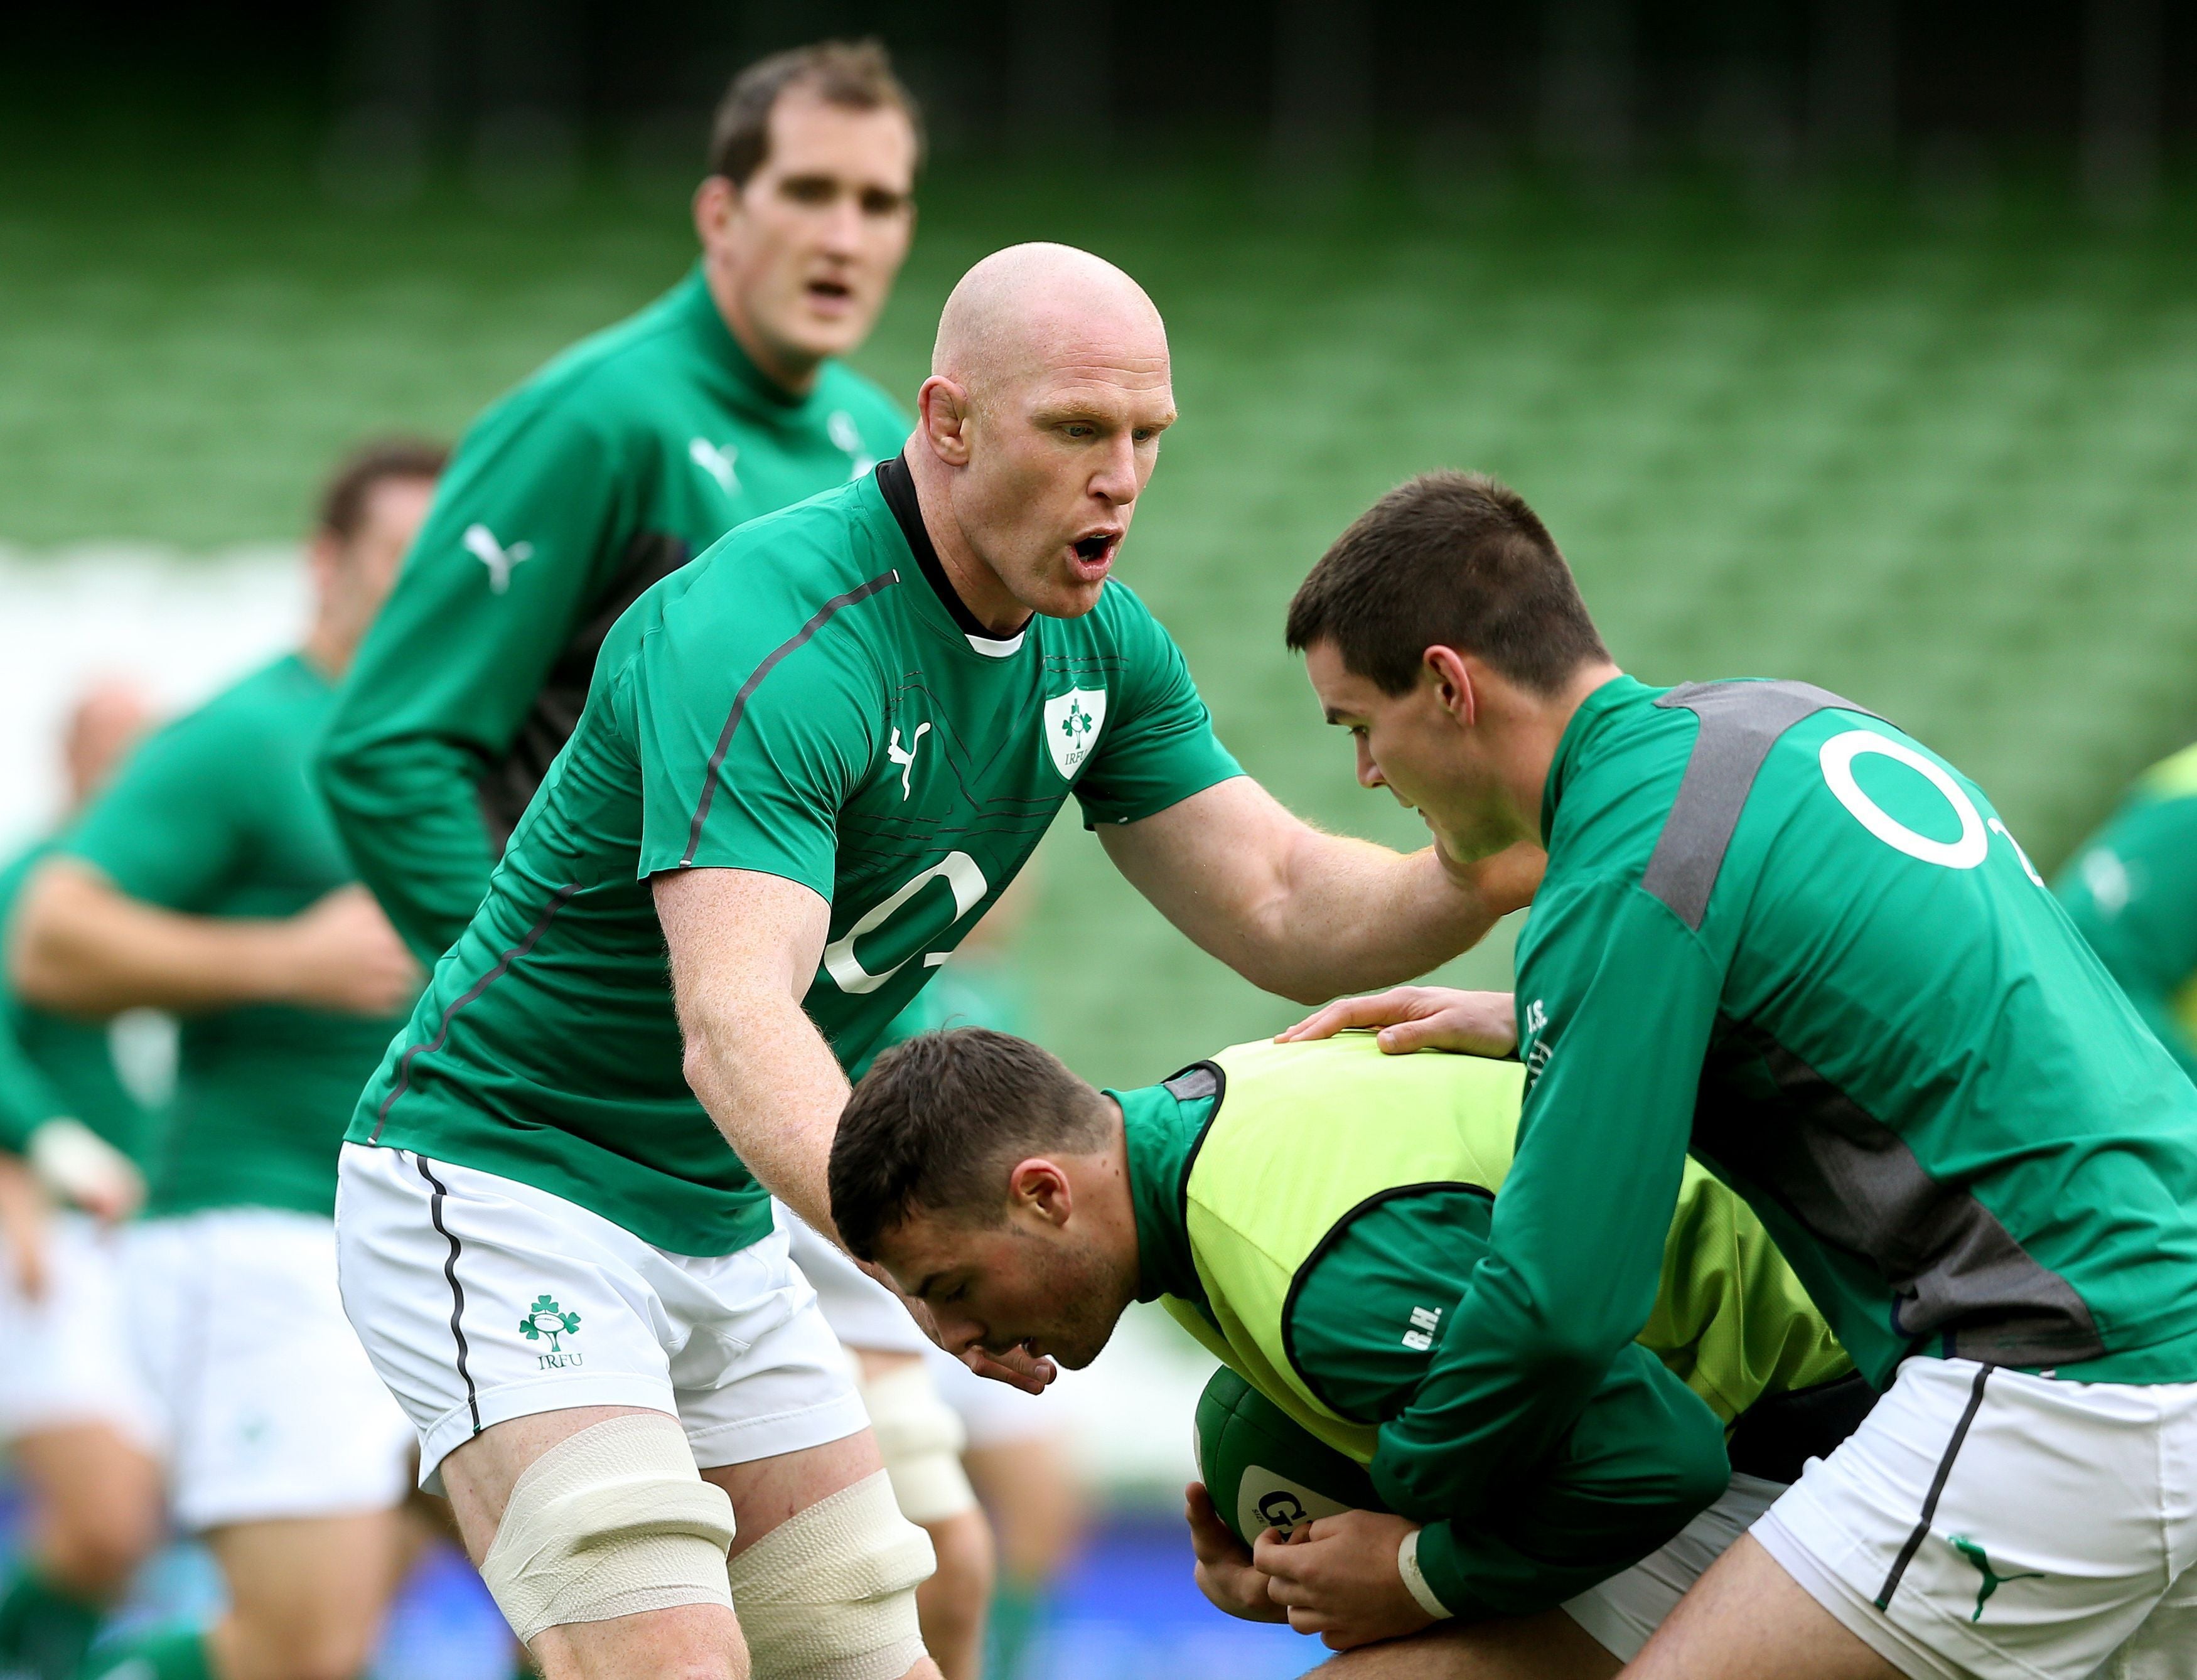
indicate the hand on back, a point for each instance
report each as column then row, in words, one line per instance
column 343, row 956
column 1419, row 1017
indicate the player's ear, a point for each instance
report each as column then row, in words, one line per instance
column 713, row 203
column 943, row 408
column 1039, row 1187
column 1451, row 675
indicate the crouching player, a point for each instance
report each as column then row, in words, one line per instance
column 1307, row 1211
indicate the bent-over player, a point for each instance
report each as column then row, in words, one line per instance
column 206, row 880
column 74, row 1416
column 1296, row 1208
column 809, row 761
column 1777, row 930
column 610, row 468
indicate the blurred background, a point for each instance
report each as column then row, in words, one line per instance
column 1847, row 341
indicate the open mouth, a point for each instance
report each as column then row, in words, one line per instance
column 1096, row 552
column 834, row 292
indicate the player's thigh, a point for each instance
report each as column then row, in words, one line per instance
column 1547, row 1646
column 1746, row 1618
column 98, row 1497
column 274, row 1411
column 478, row 1475
column 68, row 1355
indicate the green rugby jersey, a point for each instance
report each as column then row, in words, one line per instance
column 214, row 816
column 1777, row 927
column 56, row 1066
column 609, row 469
column 2132, row 890
column 809, row 699
column 1310, row 1212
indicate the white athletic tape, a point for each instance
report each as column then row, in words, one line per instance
column 613, row 1521
column 77, row 1164
column 830, row 1593
column 1415, row 1578
column 920, row 1439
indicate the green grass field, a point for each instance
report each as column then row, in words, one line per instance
column 1939, row 457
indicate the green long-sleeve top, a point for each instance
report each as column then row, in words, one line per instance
column 609, row 469
column 2131, row 887
column 1778, row 929
column 57, row 1067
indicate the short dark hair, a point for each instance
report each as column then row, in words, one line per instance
column 1452, row 560
column 342, row 508
column 938, row 1120
column 857, row 75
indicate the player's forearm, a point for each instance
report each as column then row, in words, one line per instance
column 1350, row 915
column 83, row 948
column 409, row 815
column 1644, row 1462
column 773, row 1088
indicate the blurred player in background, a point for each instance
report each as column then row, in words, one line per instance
column 2132, row 890
column 610, row 468
column 207, row 880
column 73, row 1412
column 1016, row 1447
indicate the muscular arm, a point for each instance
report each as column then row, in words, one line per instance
column 744, row 947
column 1303, row 913
column 83, row 947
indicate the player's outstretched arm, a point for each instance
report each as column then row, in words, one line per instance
column 84, row 947
column 1304, row 913
column 744, row 947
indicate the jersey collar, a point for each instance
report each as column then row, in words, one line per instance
column 1571, row 745
column 1161, row 1132
column 897, row 485
column 704, row 319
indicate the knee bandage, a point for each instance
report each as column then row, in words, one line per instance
column 920, row 1439
column 613, row 1521
column 830, row 1593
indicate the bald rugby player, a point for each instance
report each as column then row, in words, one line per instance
column 609, row 469
column 808, row 763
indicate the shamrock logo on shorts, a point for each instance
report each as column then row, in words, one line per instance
column 544, row 1318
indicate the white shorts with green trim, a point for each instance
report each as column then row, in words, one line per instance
column 67, row 1359
column 1620, row 1613
column 481, row 1299
column 1983, row 1522
column 268, row 1406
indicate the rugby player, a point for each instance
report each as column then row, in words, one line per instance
column 2131, row 887
column 73, row 1414
column 609, row 469
column 810, row 760
column 207, row 880
column 1778, row 930
column 1301, row 1210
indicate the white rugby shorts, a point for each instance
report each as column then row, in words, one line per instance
column 67, row 1357
column 1620, row 1613
column 1984, row 1522
column 480, row 1300
column 268, row 1405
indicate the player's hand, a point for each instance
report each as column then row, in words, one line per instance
column 1018, row 1368
column 1338, row 1577
column 341, row 954
column 75, row 1163
column 1419, row 1017
column 23, row 1226
column 1225, row 1573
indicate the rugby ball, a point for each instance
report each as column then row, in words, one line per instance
column 1265, row 1470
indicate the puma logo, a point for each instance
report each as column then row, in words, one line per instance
column 1992, row 1579
column 480, row 543
column 717, row 460
column 906, row 757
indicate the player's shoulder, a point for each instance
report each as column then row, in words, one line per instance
column 775, row 584
column 841, row 389
column 612, row 380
